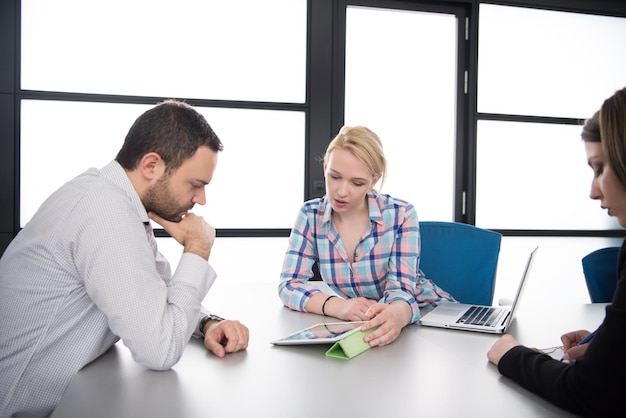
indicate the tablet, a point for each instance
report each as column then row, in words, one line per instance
column 329, row 332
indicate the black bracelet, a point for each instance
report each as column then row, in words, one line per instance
column 324, row 304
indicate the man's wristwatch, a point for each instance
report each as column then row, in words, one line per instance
column 206, row 319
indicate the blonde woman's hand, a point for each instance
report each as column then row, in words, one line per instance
column 390, row 318
column 354, row 309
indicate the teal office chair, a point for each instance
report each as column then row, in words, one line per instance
column 461, row 259
column 600, row 270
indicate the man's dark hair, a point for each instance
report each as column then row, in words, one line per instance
column 172, row 129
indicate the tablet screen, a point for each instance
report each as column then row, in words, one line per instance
column 321, row 333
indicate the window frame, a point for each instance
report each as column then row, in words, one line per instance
column 601, row 8
column 463, row 146
column 323, row 105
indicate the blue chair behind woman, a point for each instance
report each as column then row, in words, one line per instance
column 600, row 270
column 462, row 259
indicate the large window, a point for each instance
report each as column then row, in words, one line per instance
column 403, row 68
column 401, row 82
column 247, row 178
column 540, row 74
column 203, row 49
column 534, row 176
column 478, row 105
column 232, row 57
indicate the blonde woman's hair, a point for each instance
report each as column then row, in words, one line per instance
column 363, row 144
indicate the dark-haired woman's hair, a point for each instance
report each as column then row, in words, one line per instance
column 613, row 133
column 591, row 129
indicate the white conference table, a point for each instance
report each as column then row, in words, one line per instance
column 426, row 372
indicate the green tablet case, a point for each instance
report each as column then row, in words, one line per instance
column 351, row 346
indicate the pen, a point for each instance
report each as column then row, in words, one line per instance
column 587, row 338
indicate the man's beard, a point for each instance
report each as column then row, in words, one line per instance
column 159, row 200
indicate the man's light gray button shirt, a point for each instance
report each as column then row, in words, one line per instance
column 81, row 275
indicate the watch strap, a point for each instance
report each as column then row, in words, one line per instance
column 206, row 319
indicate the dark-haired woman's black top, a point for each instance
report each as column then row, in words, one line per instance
column 595, row 385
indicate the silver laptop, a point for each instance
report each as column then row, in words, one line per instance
column 492, row 319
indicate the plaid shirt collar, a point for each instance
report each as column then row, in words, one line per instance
column 372, row 203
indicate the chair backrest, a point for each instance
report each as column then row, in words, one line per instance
column 461, row 259
column 600, row 270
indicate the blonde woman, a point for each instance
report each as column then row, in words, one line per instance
column 366, row 245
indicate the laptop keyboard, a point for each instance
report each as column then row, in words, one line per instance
column 480, row 315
